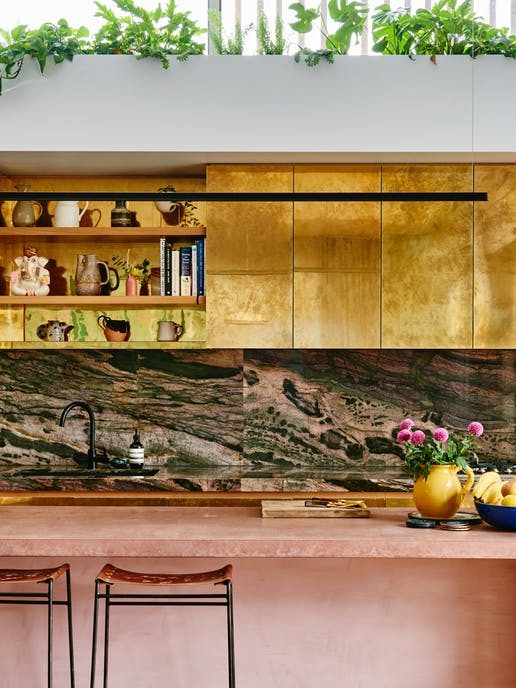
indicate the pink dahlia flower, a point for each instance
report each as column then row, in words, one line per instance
column 406, row 424
column 475, row 428
column 440, row 434
column 404, row 435
column 418, row 437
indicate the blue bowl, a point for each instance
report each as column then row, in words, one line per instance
column 501, row 517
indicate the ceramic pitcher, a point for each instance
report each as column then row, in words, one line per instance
column 23, row 211
column 67, row 214
column 88, row 280
column 441, row 494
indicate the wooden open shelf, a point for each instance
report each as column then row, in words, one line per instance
column 105, row 301
column 132, row 234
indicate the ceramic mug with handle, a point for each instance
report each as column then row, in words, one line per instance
column 169, row 331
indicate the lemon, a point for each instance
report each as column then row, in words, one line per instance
column 509, row 500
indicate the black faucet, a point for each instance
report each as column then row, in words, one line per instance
column 91, row 434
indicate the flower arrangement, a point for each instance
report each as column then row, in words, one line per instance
column 139, row 270
column 425, row 449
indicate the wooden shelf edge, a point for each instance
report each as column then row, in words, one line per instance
column 137, row 233
column 104, row 301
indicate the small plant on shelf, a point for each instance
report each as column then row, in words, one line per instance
column 177, row 213
column 139, row 270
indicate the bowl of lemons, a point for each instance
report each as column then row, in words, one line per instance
column 495, row 500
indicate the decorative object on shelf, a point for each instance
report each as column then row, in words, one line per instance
column 114, row 330
column 67, row 213
column 131, row 286
column 88, row 280
column 30, row 278
column 180, row 213
column 136, row 452
column 46, row 217
column 121, row 215
column 23, row 212
column 434, row 461
column 106, row 285
column 134, row 219
column 169, row 331
column 86, row 217
column 135, row 272
column 54, row 331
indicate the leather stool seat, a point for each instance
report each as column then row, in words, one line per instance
column 112, row 574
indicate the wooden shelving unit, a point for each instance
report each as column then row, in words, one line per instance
column 98, row 240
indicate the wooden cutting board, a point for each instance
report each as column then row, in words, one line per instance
column 295, row 508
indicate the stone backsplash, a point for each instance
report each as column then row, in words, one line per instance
column 247, row 419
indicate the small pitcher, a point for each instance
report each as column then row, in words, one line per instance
column 23, row 212
column 67, row 213
column 88, row 280
column 169, row 331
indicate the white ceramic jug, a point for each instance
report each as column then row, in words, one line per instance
column 67, row 214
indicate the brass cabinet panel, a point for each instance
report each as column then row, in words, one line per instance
column 427, row 260
column 249, row 260
column 249, row 310
column 337, row 260
column 495, row 258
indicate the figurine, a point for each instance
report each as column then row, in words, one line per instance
column 31, row 277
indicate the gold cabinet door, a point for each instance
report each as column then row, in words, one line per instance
column 249, row 260
column 427, row 298
column 495, row 258
column 337, row 259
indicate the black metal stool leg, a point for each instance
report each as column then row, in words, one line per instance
column 94, row 643
column 50, row 595
column 231, row 643
column 70, row 627
column 106, row 638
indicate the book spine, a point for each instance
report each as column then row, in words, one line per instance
column 175, row 272
column 185, row 261
column 194, row 270
column 162, row 266
column 168, row 268
column 200, row 266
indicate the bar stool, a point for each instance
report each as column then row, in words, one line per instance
column 48, row 576
column 111, row 574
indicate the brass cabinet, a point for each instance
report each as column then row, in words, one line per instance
column 337, row 260
column 427, row 260
column 249, row 260
column 495, row 258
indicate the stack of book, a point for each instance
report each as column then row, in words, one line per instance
column 182, row 268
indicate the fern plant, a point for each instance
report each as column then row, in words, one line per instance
column 226, row 45
column 266, row 44
column 155, row 33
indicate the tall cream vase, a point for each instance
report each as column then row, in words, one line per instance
column 441, row 494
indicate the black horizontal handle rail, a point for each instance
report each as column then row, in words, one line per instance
column 230, row 197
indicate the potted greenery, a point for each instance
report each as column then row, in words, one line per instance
column 177, row 212
column 434, row 459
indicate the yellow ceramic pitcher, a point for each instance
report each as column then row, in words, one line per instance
column 441, row 494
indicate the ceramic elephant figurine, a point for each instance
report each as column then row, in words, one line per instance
column 31, row 278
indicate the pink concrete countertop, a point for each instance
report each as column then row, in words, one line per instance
column 233, row 532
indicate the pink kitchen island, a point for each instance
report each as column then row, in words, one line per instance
column 356, row 603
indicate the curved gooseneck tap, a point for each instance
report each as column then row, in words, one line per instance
column 91, row 434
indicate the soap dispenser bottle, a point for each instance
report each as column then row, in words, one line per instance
column 136, row 451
